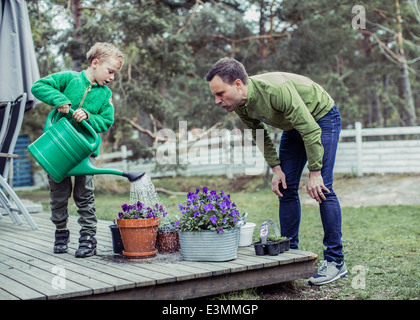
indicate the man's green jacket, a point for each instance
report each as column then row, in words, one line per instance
column 287, row 101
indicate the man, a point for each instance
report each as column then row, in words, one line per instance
column 311, row 124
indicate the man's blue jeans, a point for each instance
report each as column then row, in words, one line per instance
column 293, row 159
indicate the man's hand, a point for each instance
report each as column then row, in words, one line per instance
column 64, row 108
column 278, row 178
column 315, row 186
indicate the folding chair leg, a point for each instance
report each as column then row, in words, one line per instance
column 4, row 201
column 19, row 204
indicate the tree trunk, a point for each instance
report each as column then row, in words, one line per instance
column 78, row 57
column 406, row 92
column 408, row 95
column 372, row 97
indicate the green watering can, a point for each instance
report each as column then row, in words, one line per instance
column 63, row 151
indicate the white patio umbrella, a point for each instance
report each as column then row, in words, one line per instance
column 18, row 65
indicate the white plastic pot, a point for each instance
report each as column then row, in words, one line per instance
column 245, row 238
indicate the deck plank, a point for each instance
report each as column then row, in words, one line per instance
column 27, row 265
column 42, row 270
column 19, row 290
column 4, row 295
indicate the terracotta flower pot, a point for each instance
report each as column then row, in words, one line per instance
column 167, row 241
column 139, row 237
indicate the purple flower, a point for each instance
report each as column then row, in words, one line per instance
column 224, row 205
column 207, row 210
column 213, row 219
column 208, row 207
column 194, row 197
column 139, row 211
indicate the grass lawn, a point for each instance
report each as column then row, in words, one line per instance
column 381, row 243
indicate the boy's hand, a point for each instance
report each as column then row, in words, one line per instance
column 79, row 115
column 64, row 108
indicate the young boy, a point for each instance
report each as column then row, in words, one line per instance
column 86, row 93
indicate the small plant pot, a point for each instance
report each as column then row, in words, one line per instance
column 285, row 244
column 117, row 243
column 273, row 248
column 167, row 241
column 259, row 248
column 245, row 237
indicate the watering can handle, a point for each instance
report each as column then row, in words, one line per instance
column 93, row 133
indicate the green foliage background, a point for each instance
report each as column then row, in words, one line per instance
column 171, row 44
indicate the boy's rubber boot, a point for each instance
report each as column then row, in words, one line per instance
column 62, row 238
column 87, row 246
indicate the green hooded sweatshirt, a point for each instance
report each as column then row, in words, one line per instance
column 287, row 101
column 75, row 88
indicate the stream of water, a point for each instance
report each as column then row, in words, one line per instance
column 144, row 190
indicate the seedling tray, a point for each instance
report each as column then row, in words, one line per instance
column 271, row 248
column 267, row 247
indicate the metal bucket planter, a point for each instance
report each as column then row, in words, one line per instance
column 208, row 245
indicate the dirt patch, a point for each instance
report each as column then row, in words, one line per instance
column 298, row 290
column 373, row 190
column 369, row 190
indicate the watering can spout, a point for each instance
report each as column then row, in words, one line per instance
column 87, row 168
column 133, row 176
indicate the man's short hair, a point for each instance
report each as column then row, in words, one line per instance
column 228, row 69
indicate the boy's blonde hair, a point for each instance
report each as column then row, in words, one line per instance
column 102, row 50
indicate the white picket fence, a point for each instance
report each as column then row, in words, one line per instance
column 237, row 155
column 391, row 156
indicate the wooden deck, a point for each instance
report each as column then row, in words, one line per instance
column 30, row 270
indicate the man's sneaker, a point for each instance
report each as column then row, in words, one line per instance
column 87, row 246
column 62, row 238
column 328, row 272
